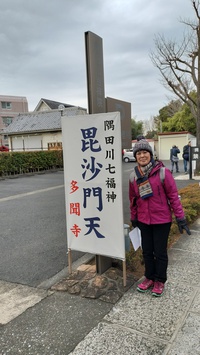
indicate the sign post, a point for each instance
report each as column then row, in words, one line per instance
column 113, row 105
column 96, row 100
column 194, row 154
column 95, row 73
column 98, row 104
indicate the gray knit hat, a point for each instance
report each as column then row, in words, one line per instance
column 142, row 144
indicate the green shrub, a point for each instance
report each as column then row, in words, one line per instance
column 25, row 162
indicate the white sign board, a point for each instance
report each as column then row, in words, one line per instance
column 93, row 183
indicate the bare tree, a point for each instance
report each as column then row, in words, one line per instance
column 179, row 65
column 148, row 125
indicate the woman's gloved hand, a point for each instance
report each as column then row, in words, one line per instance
column 134, row 223
column 182, row 224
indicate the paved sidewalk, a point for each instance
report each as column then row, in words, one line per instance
column 143, row 324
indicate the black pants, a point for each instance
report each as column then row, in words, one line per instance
column 154, row 248
column 176, row 165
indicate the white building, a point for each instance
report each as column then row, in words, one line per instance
column 167, row 140
column 39, row 130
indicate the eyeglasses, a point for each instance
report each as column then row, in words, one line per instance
column 142, row 152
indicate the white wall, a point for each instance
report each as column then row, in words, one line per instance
column 54, row 137
column 17, row 143
column 166, row 141
column 29, row 142
column 32, row 142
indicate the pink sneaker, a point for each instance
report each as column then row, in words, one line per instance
column 145, row 285
column 158, row 288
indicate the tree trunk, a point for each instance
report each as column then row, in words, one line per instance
column 198, row 101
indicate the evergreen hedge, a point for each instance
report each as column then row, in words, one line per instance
column 13, row 163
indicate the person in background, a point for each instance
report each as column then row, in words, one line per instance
column 151, row 204
column 174, row 151
column 185, row 156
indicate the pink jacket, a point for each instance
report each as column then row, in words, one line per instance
column 158, row 208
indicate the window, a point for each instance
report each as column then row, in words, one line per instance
column 6, row 105
column 7, row 120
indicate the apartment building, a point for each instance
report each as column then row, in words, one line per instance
column 10, row 107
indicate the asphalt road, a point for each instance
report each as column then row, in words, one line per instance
column 33, row 242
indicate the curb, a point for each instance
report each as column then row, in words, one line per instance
column 86, row 258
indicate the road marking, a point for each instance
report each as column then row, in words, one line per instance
column 13, row 197
column 16, row 299
column 131, row 169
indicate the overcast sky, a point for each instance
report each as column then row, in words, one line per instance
column 42, row 49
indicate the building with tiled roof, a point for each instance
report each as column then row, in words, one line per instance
column 39, row 130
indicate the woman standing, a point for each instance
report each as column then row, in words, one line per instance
column 151, row 204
